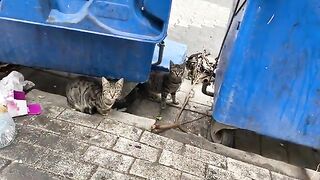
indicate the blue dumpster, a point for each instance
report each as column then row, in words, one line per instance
column 268, row 79
column 113, row 38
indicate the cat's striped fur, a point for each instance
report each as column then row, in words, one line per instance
column 89, row 96
column 165, row 83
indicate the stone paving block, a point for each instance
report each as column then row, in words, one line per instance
column 16, row 171
column 247, row 170
column 108, row 159
column 81, row 118
column 52, row 111
column 85, row 134
column 205, row 156
column 23, row 152
column 50, row 140
column 46, row 99
column 180, row 97
column 277, row 176
column 65, row 165
column 133, row 120
column 47, row 114
column 168, row 115
column 199, row 127
column 186, row 22
column 201, row 98
column 70, row 146
column 4, row 163
column 215, row 173
column 199, row 108
column 154, row 171
column 93, row 136
column 311, row 174
column 251, row 158
column 182, row 163
column 27, row 134
column 138, row 107
column 102, row 173
column 186, row 176
column 120, row 129
column 161, row 142
column 185, row 86
column 50, row 124
column 136, row 149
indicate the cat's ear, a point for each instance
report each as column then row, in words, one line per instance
column 105, row 82
column 171, row 63
column 120, row 82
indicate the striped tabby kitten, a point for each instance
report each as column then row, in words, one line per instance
column 165, row 83
column 89, row 96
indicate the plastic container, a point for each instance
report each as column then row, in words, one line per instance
column 108, row 38
column 268, row 77
column 7, row 128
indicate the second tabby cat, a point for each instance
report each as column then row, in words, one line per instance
column 165, row 83
column 87, row 95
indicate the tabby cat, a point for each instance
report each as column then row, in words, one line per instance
column 165, row 83
column 89, row 96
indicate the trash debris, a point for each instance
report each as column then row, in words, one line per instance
column 199, row 67
column 7, row 128
column 158, row 118
column 3, row 65
column 12, row 95
column 34, row 109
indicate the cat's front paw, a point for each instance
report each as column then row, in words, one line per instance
column 176, row 102
column 105, row 112
column 163, row 105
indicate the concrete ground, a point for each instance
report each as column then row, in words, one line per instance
column 63, row 144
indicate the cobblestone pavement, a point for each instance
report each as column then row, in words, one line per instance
column 64, row 144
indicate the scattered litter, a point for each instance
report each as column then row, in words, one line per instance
column 158, row 118
column 199, row 67
column 12, row 95
column 7, row 127
column 41, row 97
column 3, row 65
column 34, row 109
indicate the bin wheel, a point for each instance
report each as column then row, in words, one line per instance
column 224, row 137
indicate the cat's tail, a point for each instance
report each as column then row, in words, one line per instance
column 143, row 91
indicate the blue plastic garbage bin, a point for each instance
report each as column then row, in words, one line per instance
column 113, row 38
column 268, row 79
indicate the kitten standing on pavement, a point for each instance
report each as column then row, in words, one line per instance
column 89, row 96
column 165, row 83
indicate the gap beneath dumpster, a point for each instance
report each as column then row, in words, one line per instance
column 198, row 106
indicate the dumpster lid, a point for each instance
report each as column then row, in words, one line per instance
column 142, row 20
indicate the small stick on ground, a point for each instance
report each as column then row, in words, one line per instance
column 177, row 124
column 157, row 128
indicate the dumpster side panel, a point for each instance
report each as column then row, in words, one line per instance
column 271, row 84
column 74, row 51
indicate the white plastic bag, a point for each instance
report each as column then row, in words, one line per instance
column 7, row 128
column 14, row 82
